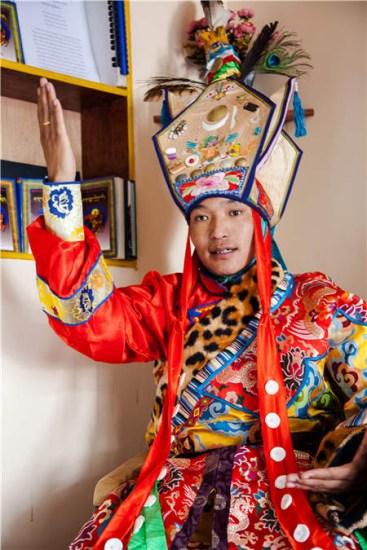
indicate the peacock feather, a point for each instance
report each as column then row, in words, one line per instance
column 285, row 56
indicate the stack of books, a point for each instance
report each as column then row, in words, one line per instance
column 109, row 210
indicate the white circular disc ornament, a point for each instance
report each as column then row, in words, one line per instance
column 162, row 473
column 272, row 420
column 301, row 533
column 138, row 524
column 278, row 454
column 280, row 482
column 113, row 544
column 271, row 387
column 286, row 501
column 150, row 501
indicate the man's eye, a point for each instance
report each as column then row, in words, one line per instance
column 201, row 217
column 236, row 212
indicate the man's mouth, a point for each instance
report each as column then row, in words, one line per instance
column 221, row 251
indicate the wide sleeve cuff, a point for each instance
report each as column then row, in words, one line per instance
column 63, row 264
column 63, row 210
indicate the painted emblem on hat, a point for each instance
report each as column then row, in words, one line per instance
column 212, row 147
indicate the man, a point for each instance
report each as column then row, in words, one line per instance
column 204, row 331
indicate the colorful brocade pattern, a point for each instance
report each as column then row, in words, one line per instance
column 323, row 352
column 217, row 468
column 228, row 485
column 82, row 304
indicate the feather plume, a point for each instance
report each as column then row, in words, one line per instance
column 285, row 56
column 158, row 84
column 257, row 49
column 215, row 13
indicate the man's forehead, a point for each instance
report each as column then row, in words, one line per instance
column 215, row 202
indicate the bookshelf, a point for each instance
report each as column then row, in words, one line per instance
column 106, row 121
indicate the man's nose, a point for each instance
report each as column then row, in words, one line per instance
column 219, row 228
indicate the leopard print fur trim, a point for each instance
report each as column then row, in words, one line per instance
column 212, row 334
column 224, row 322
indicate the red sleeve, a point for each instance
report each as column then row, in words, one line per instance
column 89, row 313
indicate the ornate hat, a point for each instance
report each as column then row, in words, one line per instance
column 230, row 142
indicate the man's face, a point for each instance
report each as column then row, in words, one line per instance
column 222, row 232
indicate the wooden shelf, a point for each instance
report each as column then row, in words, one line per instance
column 106, row 121
column 20, row 81
column 5, row 254
column 105, row 132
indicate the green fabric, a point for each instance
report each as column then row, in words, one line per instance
column 361, row 535
column 151, row 535
column 228, row 69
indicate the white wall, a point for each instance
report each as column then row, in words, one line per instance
column 67, row 420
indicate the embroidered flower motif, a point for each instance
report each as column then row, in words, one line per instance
column 270, row 521
column 215, row 182
column 98, row 280
column 61, row 202
column 86, row 300
column 293, row 370
column 171, row 480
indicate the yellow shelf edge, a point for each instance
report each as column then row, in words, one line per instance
column 10, row 255
column 74, row 81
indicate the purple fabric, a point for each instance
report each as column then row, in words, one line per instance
column 217, row 476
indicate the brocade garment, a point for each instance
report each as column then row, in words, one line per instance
column 216, row 463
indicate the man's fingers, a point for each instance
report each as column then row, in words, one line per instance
column 57, row 120
column 330, row 480
column 43, row 108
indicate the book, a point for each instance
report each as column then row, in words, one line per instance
column 76, row 38
column 9, row 230
column 130, row 221
column 29, row 198
column 11, row 44
column 119, row 186
column 55, row 37
column 98, row 197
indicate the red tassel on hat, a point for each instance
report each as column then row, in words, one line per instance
column 291, row 506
